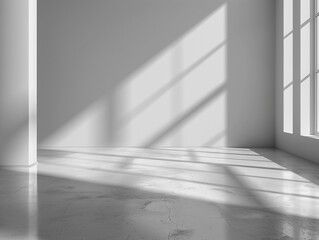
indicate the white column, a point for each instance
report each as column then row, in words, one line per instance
column 18, row 82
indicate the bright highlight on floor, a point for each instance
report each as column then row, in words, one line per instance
column 161, row 193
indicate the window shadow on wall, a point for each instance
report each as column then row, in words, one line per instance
column 120, row 74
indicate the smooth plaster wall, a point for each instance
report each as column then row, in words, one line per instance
column 156, row 73
column 298, row 141
column 17, row 142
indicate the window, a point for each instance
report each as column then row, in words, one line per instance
column 309, row 67
column 316, row 65
column 302, row 89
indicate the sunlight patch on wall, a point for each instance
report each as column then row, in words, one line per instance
column 179, row 97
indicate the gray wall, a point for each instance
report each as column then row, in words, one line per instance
column 15, row 135
column 156, row 73
column 294, row 112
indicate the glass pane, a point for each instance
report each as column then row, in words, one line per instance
column 317, row 102
column 288, row 60
column 288, row 110
column 288, row 16
column 317, row 6
column 305, row 51
column 317, row 41
column 304, row 11
column 305, row 106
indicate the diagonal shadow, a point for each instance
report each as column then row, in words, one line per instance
column 132, row 157
column 63, row 153
column 306, row 169
column 150, row 100
column 241, row 187
column 223, row 153
column 108, row 60
column 291, row 83
column 190, row 113
column 214, row 139
column 112, row 162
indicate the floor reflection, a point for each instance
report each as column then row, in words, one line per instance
column 167, row 193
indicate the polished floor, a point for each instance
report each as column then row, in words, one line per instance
column 161, row 194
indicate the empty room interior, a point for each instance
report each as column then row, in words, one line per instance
column 159, row 120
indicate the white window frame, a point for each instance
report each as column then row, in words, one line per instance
column 314, row 67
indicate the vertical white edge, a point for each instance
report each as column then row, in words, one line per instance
column 312, row 70
column 32, row 24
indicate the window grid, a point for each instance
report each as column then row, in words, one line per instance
column 316, row 70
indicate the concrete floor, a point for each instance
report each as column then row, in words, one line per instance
column 171, row 193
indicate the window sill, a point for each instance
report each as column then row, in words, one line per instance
column 311, row 136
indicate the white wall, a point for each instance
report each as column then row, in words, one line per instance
column 17, row 83
column 293, row 115
column 156, row 73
